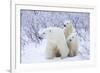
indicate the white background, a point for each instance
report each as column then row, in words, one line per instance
column 5, row 36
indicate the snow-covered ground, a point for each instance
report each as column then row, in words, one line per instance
column 33, row 53
column 32, row 21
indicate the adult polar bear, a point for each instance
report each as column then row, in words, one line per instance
column 56, row 42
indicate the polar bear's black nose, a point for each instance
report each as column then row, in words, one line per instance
column 70, row 40
column 64, row 25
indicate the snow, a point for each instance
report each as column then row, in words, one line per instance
column 33, row 48
column 36, row 54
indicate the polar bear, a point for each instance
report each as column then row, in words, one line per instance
column 56, row 42
column 71, row 38
column 72, row 43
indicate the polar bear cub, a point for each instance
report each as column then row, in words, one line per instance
column 72, row 43
column 56, row 42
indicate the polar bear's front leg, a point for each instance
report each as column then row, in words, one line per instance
column 64, row 50
column 72, row 53
column 49, row 51
column 63, row 53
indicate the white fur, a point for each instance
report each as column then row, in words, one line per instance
column 72, row 43
column 55, row 41
column 68, row 29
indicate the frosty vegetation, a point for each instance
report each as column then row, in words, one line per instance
column 33, row 20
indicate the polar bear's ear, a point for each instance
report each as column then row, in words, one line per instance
column 67, row 22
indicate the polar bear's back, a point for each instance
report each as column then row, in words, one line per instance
column 56, row 33
column 54, row 29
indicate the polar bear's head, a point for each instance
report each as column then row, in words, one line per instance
column 45, row 32
column 67, row 23
column 68, row 28
column 72, row 37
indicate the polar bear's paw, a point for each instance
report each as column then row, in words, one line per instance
column 72, row 54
